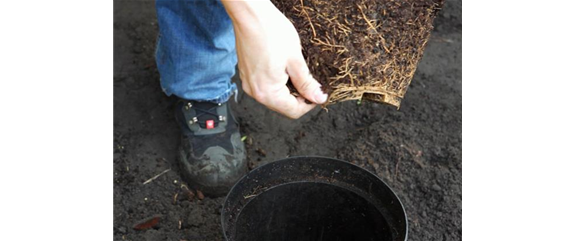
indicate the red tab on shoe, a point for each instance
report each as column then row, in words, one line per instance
column 209, row 124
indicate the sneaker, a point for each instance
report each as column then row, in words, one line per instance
column 211, row 154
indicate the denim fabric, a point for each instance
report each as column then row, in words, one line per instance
column 195, row 55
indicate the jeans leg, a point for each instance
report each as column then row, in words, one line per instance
column 195, row 55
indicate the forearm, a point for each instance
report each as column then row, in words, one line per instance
column 250, row 12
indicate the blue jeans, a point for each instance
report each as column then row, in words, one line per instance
column 195, row 53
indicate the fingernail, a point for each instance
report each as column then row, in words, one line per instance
column 320, row 97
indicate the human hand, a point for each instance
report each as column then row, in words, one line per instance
column 269, row 54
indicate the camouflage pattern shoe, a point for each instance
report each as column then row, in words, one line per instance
column 211, row 154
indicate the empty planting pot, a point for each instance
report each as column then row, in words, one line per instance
column 312, row 198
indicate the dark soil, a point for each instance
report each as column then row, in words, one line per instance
column 416, row 150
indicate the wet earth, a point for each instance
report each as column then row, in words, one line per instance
column 416, row 150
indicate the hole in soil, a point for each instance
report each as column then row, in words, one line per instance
column 311, row 211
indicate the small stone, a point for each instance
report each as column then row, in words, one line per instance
column 200, row 195
column 261, row 152
column 436, row 187
column 122, row 229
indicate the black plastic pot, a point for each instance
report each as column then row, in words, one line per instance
column 312, row 198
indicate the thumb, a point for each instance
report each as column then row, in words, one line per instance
column 305, row 84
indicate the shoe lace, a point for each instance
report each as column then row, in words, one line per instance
column 210, row 111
